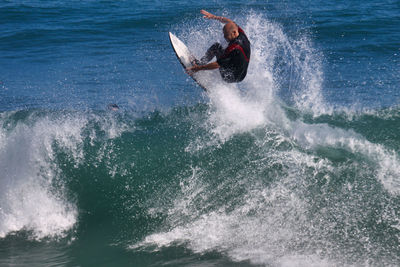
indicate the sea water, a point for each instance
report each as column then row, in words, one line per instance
column 298, row 165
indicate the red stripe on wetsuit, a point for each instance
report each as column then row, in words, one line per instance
column 232, row 47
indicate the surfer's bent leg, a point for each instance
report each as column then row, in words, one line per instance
column 215, row 50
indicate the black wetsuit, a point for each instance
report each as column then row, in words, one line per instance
column 234, row 60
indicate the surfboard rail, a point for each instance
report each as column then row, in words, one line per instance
column 184, row 56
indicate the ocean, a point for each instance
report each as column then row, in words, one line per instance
column 298, row 165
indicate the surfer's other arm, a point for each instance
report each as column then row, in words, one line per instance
column 208, row 15
column 196, row 68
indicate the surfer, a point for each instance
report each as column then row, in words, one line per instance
column 233, row 61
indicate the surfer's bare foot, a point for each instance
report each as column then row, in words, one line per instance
column 194, row 61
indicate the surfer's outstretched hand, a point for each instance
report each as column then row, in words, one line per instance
column 207, row 15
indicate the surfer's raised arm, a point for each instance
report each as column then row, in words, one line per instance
column 208, row 15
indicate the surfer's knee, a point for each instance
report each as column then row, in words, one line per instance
column 216, row 47
column 216, row 50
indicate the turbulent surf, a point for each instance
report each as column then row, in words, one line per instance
column 273, row 171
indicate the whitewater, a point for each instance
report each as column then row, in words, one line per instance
column 273, row 171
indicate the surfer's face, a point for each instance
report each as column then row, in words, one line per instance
column 231, row 35
column 230, row 32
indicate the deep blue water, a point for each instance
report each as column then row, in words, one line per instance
column 298, row 165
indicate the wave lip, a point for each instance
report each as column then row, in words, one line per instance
column 32, row 195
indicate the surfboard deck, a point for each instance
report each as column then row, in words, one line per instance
column 185, row 57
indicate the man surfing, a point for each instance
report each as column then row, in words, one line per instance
column 232, row 61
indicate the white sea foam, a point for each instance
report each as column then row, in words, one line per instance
column 27, row 170
column 32, row 193
column 323, row 135
column 267, row 228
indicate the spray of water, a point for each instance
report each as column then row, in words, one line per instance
column 27, row 173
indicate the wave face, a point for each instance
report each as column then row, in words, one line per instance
column 295, row 166
column 307, row 191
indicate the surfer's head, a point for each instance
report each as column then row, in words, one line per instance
column 231, row 31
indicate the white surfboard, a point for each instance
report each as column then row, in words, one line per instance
column 185, row 57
